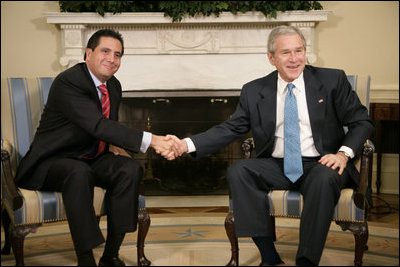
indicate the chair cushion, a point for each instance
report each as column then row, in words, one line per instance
column 285, row 203
column 47, row 206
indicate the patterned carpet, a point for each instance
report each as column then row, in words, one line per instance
column 202, row 241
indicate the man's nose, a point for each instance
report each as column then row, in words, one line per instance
column 292, row 56
column 110, row 57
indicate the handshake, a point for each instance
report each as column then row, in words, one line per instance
column 169, row 146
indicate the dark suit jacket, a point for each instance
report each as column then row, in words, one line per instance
column 72, row 123
column 256, row 111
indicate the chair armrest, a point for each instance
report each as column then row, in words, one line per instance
column 247, row 147
column 11, row 194
column 365, row 174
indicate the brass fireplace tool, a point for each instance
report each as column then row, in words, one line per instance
column 148, row 175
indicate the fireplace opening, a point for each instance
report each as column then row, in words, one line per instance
column 183, row 117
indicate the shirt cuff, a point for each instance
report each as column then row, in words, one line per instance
column 348, row 150
column 190, row 145
column 146, row 141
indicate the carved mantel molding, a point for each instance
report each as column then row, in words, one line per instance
column 150, row 37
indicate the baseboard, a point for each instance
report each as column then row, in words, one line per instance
column 187, row 201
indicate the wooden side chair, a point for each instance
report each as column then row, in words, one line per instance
column 23, row 211
column 351, row 210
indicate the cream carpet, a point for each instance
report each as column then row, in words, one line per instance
column 202, row 241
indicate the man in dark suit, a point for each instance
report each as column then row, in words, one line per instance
column 325, row 103
column 79, row 144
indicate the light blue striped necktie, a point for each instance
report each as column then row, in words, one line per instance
column 292, row 162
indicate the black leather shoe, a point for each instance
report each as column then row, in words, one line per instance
column 114, row 261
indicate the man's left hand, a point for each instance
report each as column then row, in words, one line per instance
column 119, row 151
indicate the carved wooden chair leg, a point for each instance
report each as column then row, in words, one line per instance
column 361, row 238
column 360, row 232
column 17, row 241
column 230, row 232
column 144, row 224
column 6, row 250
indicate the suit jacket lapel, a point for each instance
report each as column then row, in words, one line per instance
column 316, row 102
column 267, row 105
column 112, row 92
column 91, row 85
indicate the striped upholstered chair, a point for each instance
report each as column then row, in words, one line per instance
column 351, row 210
column 23, row 211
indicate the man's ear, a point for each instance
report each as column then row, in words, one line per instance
column 88, row 52
column 271, row 58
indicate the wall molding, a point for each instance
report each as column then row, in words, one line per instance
column 385, row 94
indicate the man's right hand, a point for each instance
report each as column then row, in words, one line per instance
column 167, row 147
column 181, row 143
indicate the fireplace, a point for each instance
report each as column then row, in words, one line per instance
column 183, row 78
column 183, row 116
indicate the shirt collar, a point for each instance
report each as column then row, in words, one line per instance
column 96, row 81
column 298, row 83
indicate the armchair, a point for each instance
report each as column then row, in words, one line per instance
column 23, row 211
column 351, row 210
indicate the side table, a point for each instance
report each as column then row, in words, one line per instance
column 382, row 112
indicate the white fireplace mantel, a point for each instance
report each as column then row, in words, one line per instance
column 197, row 53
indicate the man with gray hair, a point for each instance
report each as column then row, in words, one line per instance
column 296, row 115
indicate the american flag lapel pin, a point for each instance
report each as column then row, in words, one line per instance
column 320, row 101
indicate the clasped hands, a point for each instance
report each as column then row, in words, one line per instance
column 169, row 146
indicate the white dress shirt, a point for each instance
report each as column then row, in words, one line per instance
column 306, row 140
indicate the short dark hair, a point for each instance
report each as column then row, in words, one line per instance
column 95, row 38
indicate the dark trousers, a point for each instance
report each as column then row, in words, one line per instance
column 75, row 178
column 251, row 179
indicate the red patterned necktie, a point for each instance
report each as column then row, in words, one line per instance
column 105, row 101
column 105, row 109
